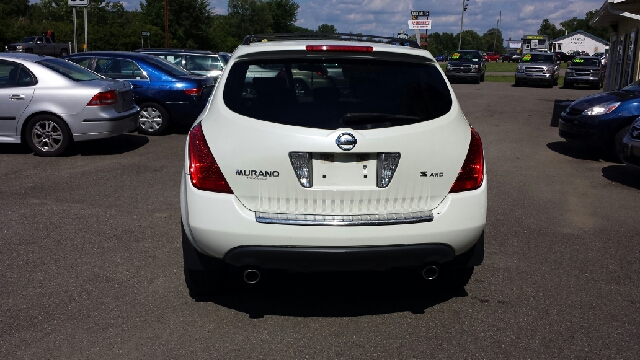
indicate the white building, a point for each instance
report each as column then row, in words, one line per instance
column 623, row 18
column 580, row 41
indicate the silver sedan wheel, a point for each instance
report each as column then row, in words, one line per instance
column 150, row 119
column 47, row 135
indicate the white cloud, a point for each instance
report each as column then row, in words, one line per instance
column 386, row 17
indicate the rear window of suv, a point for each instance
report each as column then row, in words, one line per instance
column 334, row 93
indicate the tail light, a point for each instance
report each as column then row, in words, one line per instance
column 471, row 174
column 343, row 48
column 203, row 168
column 194, row 92
column 104, row 98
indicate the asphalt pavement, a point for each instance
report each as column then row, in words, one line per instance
column 91, row 260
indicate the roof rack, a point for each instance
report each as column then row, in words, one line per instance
column 249, row 39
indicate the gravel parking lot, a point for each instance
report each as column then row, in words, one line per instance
column 92, row 268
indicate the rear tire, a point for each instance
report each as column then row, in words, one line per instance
column 567, row 85
column 64, row 52
column 153, row 120
column 47, row 135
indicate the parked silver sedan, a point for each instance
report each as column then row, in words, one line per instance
column 49, row 103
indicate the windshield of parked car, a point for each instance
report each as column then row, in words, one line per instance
column 466, row 56
column 70, row 70
column 203, row 63
column 166, row 66
column 538, row 58
column 334, row 93
column 582, row 62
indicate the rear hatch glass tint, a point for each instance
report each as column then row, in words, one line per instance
column 332, row 93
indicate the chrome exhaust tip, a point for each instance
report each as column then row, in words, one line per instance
column 251, row 276
column 430, row 272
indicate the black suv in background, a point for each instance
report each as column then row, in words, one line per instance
column 201, row 62
column 585, row 70
column 466, row 65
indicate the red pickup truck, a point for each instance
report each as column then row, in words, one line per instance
column 492, row 56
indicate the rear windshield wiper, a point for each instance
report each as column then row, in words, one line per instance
column 370, row 118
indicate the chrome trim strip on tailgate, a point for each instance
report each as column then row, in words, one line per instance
column 345, row 220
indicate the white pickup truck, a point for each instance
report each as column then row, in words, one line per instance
column 40, row 45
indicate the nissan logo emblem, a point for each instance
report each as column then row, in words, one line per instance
column 346, row 141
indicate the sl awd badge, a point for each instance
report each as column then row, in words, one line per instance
column 428, row 174
column 346, row 141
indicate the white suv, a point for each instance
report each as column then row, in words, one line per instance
column 375, row 169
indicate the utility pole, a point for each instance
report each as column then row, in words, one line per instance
column 464, row 8
column 498, row 29
column 166, row 24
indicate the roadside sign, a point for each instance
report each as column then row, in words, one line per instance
column 420, row 24
column 420, row 13
column 78, row 2
column 146, row 33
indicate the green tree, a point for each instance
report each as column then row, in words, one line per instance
column 299, row 29
column 470, row 40
column 442, row 43
column 189, row 21
column 248, row 17
column 575, row 24
column 492, row 41
column 327, row 29
column 284, row 14
column 549, row 29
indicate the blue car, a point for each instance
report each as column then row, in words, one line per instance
column 165, row 93
column 602, row 120
column 441, row 58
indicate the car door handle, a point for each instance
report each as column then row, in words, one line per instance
column 16, row 97
column 136, row 86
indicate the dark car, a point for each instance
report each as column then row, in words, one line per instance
column 199, row 62
column 466, row 65
column 508, row 57
column 631, row 145
column 602, row 120
column 165, row 93
column 584, row 70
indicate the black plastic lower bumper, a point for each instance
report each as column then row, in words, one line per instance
column 339, row 259
column 309, row 259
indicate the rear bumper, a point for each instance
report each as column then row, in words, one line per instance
column 91, row 129
column 220, row 227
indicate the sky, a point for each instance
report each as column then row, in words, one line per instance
column 388, row 17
